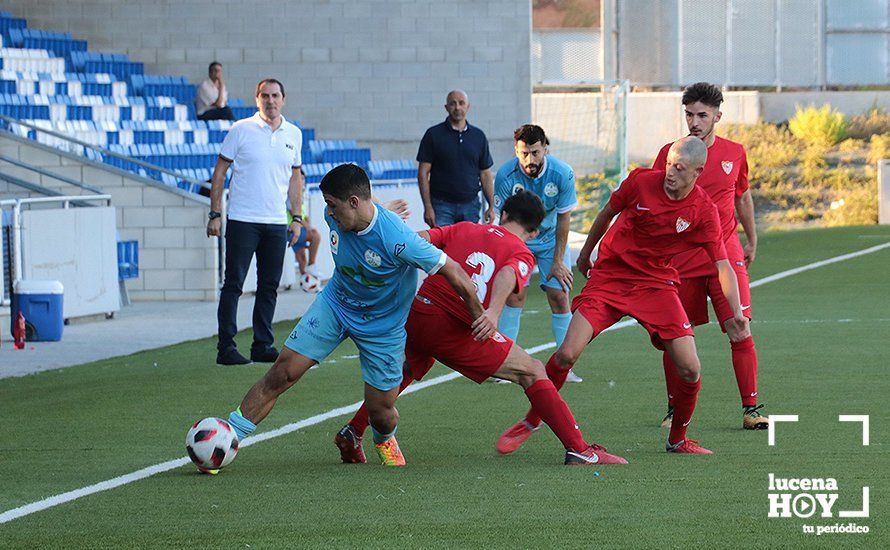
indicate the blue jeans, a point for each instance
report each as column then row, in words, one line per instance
column 243, row 240
column 448, row 213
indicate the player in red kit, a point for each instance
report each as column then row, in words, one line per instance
column 438, row 328
column 725, row 179
column 663, row 213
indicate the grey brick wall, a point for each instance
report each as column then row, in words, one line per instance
column 375, row 71
column 176, row 259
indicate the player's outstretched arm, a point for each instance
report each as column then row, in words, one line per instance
column 597, row 230
column 463, row 285
column 398, row 206
column 737, row 327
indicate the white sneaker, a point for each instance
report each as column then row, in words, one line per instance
column 572, row 377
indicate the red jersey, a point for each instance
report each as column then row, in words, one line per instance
column 482, row 251
column 724, row 177
column 653, row 228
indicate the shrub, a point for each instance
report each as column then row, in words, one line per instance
column 879, row 148
column 818, row 126
column 875, row 121
column 768, row 146
column 812, row 165
column 858, row 206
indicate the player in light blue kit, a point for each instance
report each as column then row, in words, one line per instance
column 376, row 257
column 535, row 170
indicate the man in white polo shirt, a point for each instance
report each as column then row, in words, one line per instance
column 264, row 152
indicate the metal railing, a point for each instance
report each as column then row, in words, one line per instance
column 101, row 151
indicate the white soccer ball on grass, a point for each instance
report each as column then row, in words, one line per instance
column 211, row 444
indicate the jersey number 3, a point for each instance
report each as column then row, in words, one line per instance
column 481, row 273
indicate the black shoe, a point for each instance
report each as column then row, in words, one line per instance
column 231, row 357
column 264, row 355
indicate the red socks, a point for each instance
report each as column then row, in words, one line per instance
column 558, row 376
column 670, row 377
column 551, row 407
column 744, row 362
column 685, row 397
column 360, row 421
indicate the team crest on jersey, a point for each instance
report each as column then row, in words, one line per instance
column 551, row 190
column 335, row 242
column 498, row 202
column 498, row 338
column 682, row 225
column 523, row 268
column 517, row 188
column 727, row 166
column 372, row 258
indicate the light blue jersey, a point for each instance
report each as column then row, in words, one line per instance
column 375, row 275
column 555, row 186
column 368, row 297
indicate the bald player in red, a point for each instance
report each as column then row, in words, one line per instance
column 725, row 179
column 438, row 327
column 663, row 213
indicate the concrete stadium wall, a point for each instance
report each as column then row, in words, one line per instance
column 176, row 259
column 375, row 71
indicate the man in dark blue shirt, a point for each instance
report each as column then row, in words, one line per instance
column 454, row 163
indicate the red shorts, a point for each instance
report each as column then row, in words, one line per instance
column 694, row 293
column 434, row 334
column 604, row 302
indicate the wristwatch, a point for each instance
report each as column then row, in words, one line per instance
column 297, row 218
column 213, row 215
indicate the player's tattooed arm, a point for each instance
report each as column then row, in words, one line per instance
column 737, row 328
column 597, row 230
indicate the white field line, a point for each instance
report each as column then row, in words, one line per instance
column 62, row 498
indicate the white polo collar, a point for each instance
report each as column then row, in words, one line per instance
column 265, row 125
column 368, row 229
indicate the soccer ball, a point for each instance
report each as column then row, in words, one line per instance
column 211, row 444
column 309, row 283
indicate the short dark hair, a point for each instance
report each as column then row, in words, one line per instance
column 526, row 209
column 704, row 92
column 213, row 64
column 346, row 180
column 530, row 134
column 264, row 81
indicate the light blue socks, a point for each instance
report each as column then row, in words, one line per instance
column 382, row 438
column 559, row 322
column 242, row 426
column 508, row 325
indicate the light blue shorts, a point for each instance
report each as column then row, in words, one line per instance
column 320, row 331
column 544, row 258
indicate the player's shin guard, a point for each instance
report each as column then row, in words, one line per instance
column 559, row 323
column 551, row 407
column 509, row 322
column 744, row 362
column 684, row 405
column 557, row 375
column 242, row 426
column 360, row 420
column 670, row 377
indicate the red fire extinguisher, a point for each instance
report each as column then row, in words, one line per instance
column 18, row 333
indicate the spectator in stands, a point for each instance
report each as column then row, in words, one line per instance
column 264, row 152
column 211, row 103
column 454, row 163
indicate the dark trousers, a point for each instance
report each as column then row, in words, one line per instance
column 243, row 240
column 221, row 113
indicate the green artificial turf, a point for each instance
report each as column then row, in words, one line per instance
column 823, row 339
